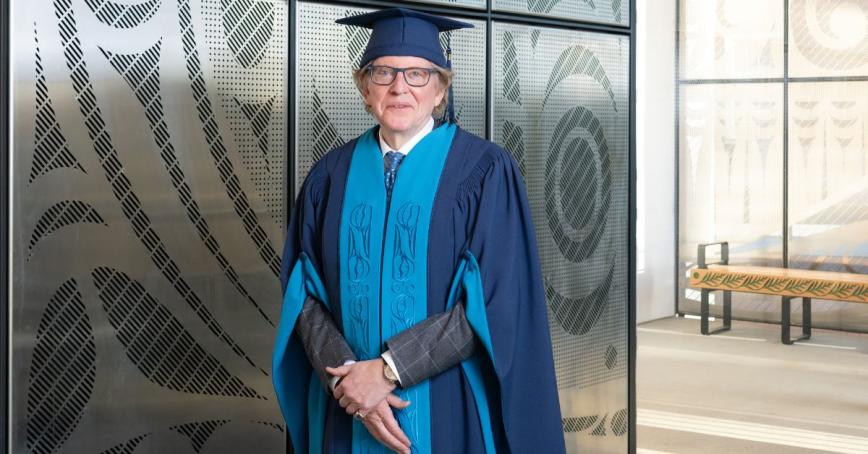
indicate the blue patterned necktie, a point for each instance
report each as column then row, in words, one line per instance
column 392, row 161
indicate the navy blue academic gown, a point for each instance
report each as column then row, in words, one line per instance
column 480, row 206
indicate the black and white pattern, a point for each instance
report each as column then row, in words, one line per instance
column 51, row 149
column 607, row 11
column 143, row 302
column 122, row 15
column 198, row 432
column 567, row 129
column 141, row 73
column 249, row 25
column 156, row 342
column 219, row 153
column 60, row 215
column 127, row 447
column 120, row 183
column 62, row 373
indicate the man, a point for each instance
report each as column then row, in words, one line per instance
column 412, row 279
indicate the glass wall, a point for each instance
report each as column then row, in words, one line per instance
column 772, row 150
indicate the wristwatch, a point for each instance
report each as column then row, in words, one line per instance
column 389, row 374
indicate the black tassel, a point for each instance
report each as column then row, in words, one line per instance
column 450, row 105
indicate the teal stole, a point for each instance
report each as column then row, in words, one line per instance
column 384, row 279
column 383, row 291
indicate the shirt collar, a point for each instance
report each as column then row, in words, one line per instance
column 385, row 148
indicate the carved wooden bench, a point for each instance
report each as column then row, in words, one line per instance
column 788, row 283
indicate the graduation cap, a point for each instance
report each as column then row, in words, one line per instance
column 407, row 33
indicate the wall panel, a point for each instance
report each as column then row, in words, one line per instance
column 560, row 108
column 605, row 11
column 148, row 213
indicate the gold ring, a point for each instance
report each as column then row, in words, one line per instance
column 359, row 416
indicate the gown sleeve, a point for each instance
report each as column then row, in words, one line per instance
column 304, row 221
column 301, row 395
column 426, row 349
column 323, row 342
column 503, row 242
column 320, row 336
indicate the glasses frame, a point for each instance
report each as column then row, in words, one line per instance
column 395, row 71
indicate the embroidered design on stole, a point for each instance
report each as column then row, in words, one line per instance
column 359, row 268
column 403, row 288
column 395, row 276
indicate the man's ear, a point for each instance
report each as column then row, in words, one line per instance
column 364, row 91
column 441, row 95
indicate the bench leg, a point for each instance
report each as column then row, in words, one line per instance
column 785, row 320
column 704, row 312
column 806, row 318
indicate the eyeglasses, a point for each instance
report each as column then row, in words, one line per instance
column 415, row 77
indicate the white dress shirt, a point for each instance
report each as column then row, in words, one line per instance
column 405, row 150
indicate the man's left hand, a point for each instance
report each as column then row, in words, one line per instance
column 362, row 386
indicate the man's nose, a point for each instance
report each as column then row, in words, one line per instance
column 399, row 85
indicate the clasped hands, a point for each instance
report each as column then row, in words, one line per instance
column 363, row 388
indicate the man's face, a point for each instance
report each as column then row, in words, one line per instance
column 399, row 107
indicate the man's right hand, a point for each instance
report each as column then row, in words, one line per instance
column 383, row 426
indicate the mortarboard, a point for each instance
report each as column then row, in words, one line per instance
column 404, row 32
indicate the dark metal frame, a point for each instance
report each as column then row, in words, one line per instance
column 786, row 80
column 785, row 212
column 489, row 15
column 677, row 76
column 727, row 294
column 631, row 260
column 289, row 159
column 785, row 319
column 5, row 37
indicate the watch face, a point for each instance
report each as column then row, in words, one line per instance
column 390, row 375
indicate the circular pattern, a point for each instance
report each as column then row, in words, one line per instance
column 578, row 186
column 578, row 315
column 825, row 47
column 577, row 201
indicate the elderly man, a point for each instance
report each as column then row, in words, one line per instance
column 414, row 315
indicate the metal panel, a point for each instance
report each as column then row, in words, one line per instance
column 147, row 221
column 561, row 108
column 603, row 11
column 468, row 3
column 330, row 108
